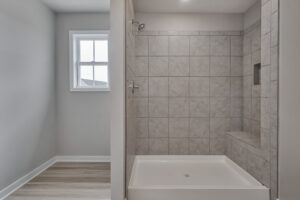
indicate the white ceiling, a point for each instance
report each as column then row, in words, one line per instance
column 78, row 5
column 193, row 6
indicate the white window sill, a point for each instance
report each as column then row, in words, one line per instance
column 90, row 90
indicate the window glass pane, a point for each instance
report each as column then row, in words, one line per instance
column 86, row 76
column 86, row 50
column 101, row 76
column 101, row 51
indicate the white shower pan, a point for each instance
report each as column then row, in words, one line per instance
column 192, row 178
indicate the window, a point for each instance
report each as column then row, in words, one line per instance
column 89, row 63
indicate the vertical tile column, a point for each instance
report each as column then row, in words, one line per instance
column 269, row 90
column 251, row 92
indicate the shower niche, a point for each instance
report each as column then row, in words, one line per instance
column 256, row 74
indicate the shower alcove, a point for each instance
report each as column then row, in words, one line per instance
column 201, row 90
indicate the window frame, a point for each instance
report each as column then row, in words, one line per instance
column 74, row 62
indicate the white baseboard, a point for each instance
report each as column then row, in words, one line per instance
column 25, row 179
column 31, row 175
column 82, row 158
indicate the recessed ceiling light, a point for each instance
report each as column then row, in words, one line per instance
column 184, row 1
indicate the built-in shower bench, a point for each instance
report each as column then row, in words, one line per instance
column 246, row 137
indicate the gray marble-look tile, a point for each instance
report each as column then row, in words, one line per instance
column 236, row 45
column 259, row 168
column 256, row 90
column 141, row 66
column 141, row 46
column 158, row 86
column 236, row 124
column 179, row 146
column 247, row 107
column 274, row 164
column 220, row 46
column 178, row 107
column 199, row 66
column 274, row 63
column 256, row 39
column 220, row 86
column 246, row 45
column 158, row 66
column 274, row 90
column 255, row 127
column 178, row 86
column 199, row 107
column 236, row 107
column 274, row 131
column 142, row 146
column 142, row 127
column 217, row 146
column 275, row 4
column 141, row 107
column 266, row 18
column 265, row 120
column 274, row 29
column 263, row 2
column 256, row 57
column 266, row 50
column 236, row 68
column 158, row 45
column 247, row 126
column 178, row 127
column 199, row 127
column 220, row 66
column 199, row 146
column 239, row 153
column 199, row 86
column 266, row 81
column 247, row 86
column 199, row 46
column 265, row 105
column 256, row 108
column 265, row 140
column 179, row 66
column 219, row 127
column 158, row 146
column 219, row 107
column 247, row 65
column 158, row 107
column 143, row 83
column 228, row 146
column 158, row 127
column 236, row 89
column 179, row 46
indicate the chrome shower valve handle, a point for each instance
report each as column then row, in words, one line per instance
column 133, row 86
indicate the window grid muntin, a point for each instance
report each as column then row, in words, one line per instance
column 93, row 63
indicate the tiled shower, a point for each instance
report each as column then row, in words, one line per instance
column 190, row 91
column 198, row 94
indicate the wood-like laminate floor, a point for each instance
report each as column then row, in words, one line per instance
column 68, row 181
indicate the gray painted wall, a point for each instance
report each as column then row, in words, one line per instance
column 289, row 101
column 27, row 102
column 83, row 118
